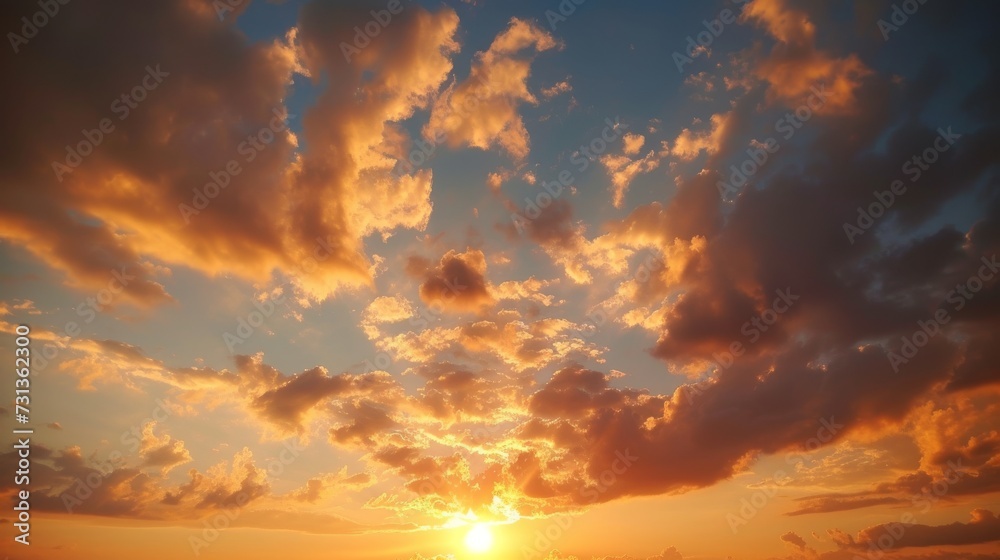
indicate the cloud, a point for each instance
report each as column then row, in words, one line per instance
column 289, row 404
column 633, row 143
column 831, row 504
column 983, row 527
column 452, row 394
column 688, row 145
column 668, row 554
column 623, row 170
column 243, row 483
column 573, row 392
column 321, row 487
column 794, row 66
column 526, row 290
column 353, row 190
column 482, row 111
column 382, row 310
column 369, row 422
column 118, row 208
column 458, row 282
column 563, row 239
column 558, row 88
column 164, row 452
column 116, row 223
column 794, row 540
column 505, row 406
column 70, row 482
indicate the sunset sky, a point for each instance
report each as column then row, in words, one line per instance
column 497, row 280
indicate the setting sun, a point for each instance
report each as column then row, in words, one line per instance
column 479, row 538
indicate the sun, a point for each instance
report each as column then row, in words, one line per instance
column 479, row 538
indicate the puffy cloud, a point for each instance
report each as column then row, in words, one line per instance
column 688, row 145
column 633, row 143
column 658, row 431
column 526, row 290
column 501, row 337
column 795, row 66
column 368, row 422
column 563, row 238
column 794, row 540
column 113, row 221
column 382, row 310
column 162, row 452
column 68, row 481
column 454, row 394
column 288, row 405
column 244, row 482
column 284, row 403
column 458, row 282
column 126, row 193
column 482, row 111
column 624, row 169
column 478, row 423
column 574, row 392
column 353, row 190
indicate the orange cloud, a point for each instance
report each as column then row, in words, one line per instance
column 795, row 65
column 110, row 221
column 458, row 282
column 688, row 144
column 482, row 111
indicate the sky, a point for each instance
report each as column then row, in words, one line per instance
column 496, row 280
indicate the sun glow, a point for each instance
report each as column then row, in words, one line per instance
column 479, row 539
